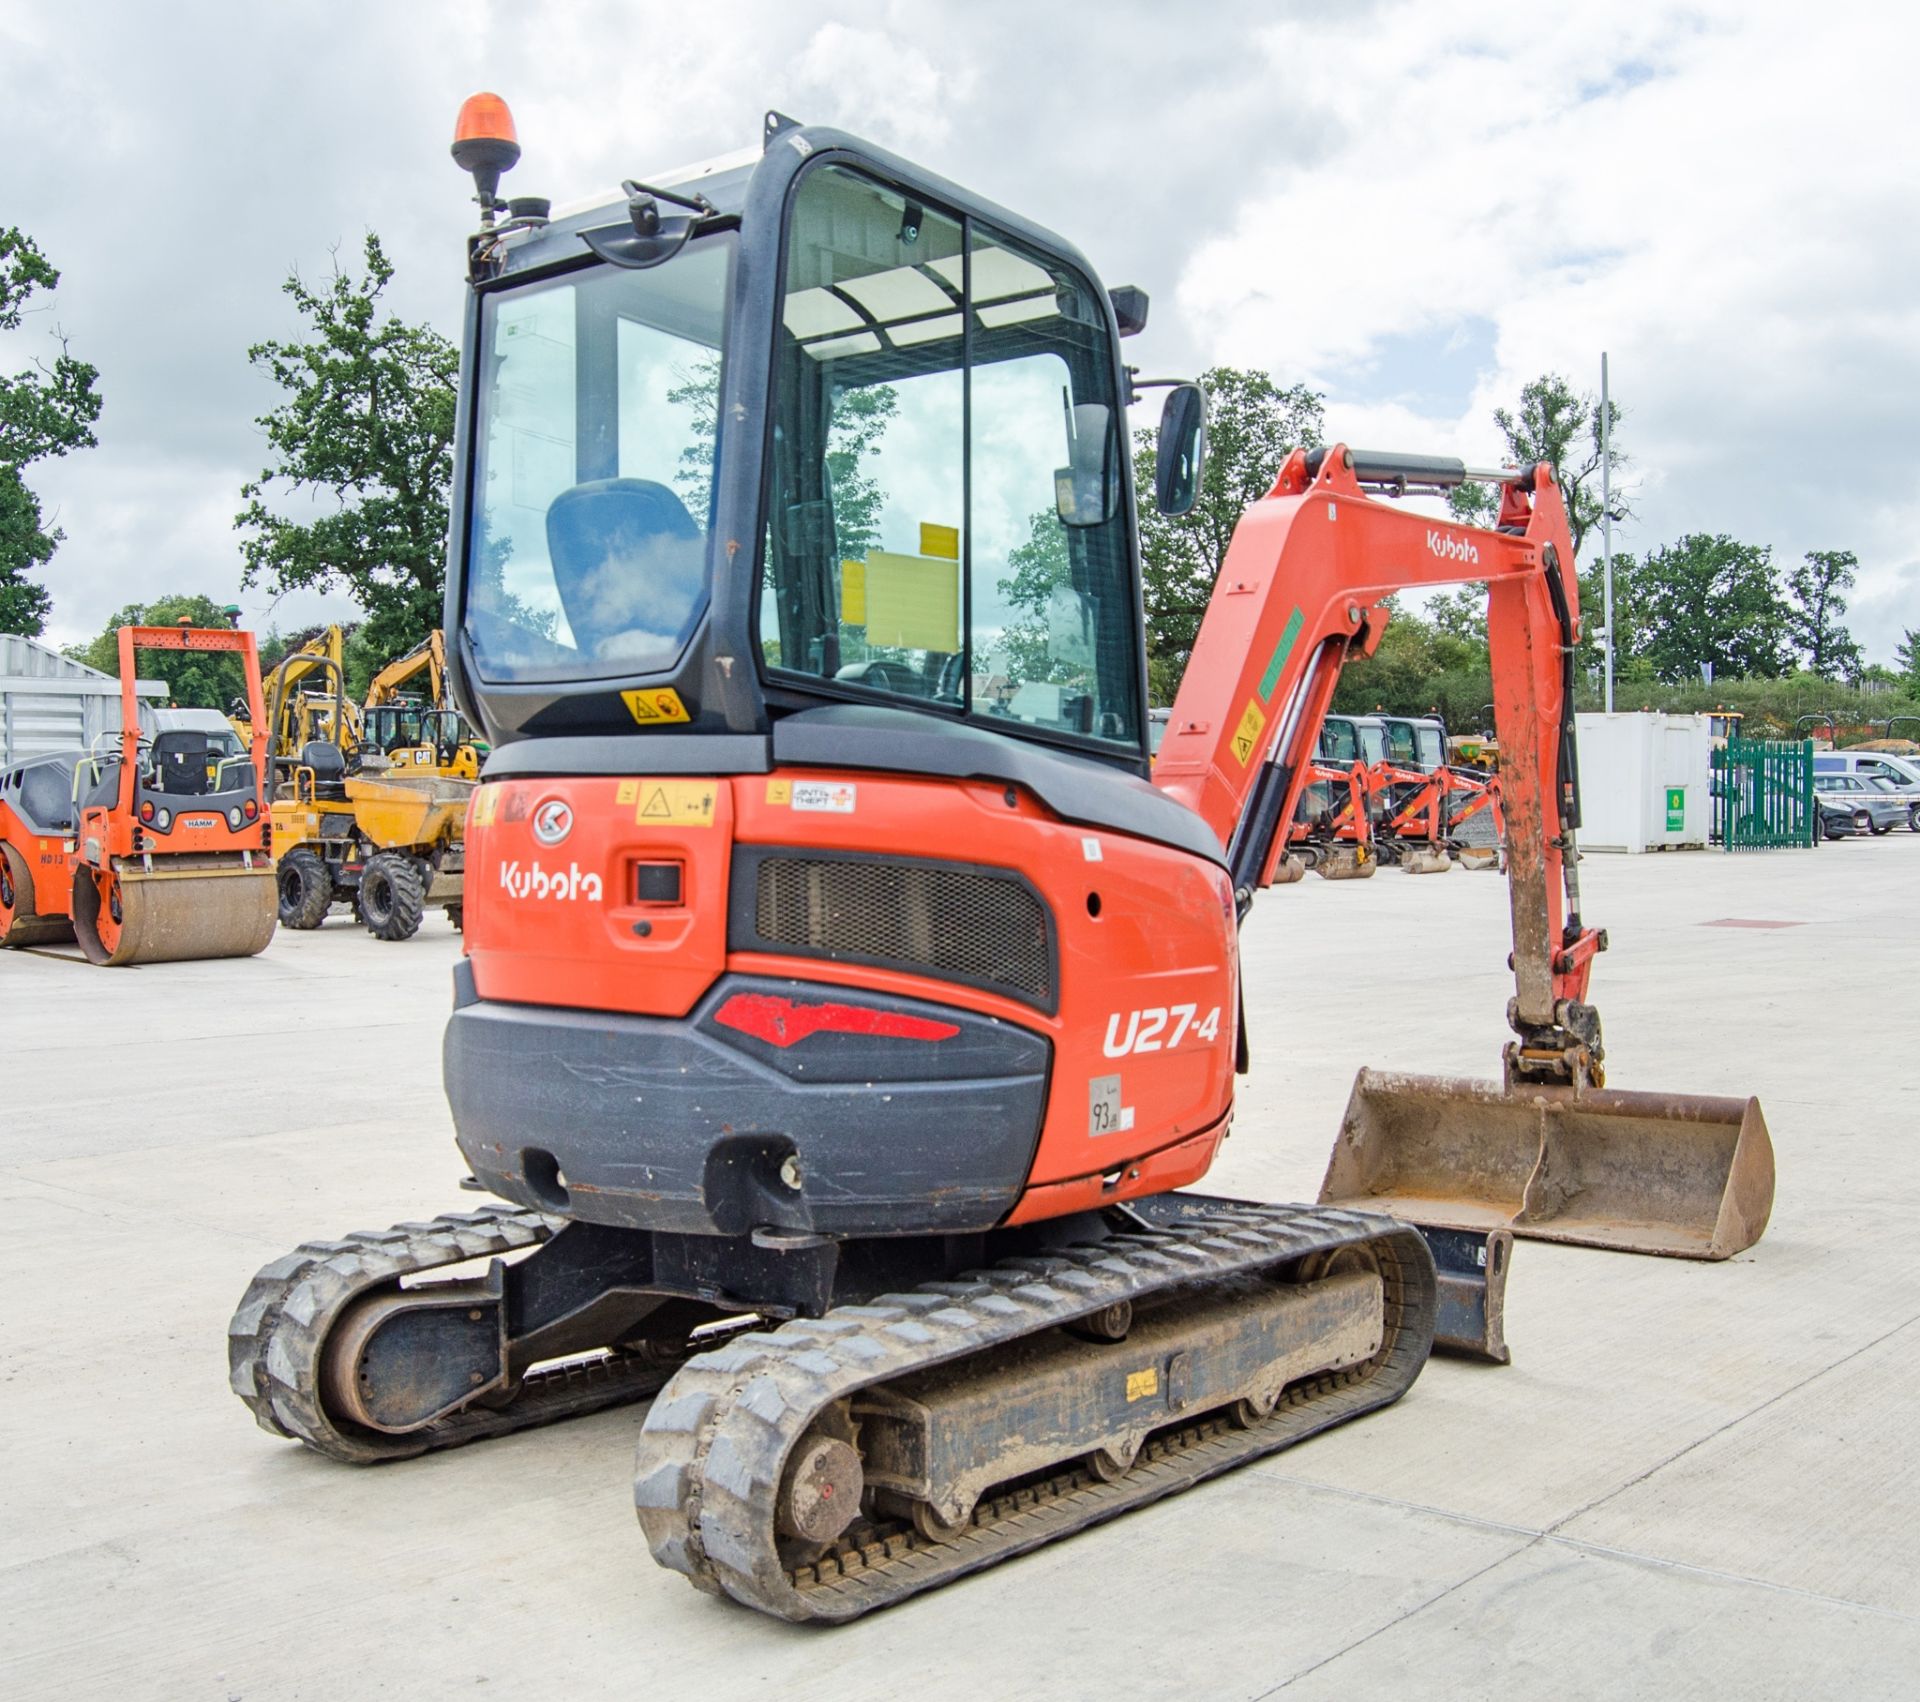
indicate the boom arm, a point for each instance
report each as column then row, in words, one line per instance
column 1301, row 590
column 428, row 657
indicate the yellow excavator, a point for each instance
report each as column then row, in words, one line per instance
column 419, row 734
column 357, row 823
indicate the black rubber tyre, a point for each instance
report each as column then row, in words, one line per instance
column 393, row 896
column 1880, row 828
column 1819, row 827
column 1913, row 818
column 306, row 889
column 457, row 916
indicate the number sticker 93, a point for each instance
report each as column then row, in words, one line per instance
column 1159, row 1028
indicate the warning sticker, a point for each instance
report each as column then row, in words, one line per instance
column 942, row 541
column 1142, row 1385
column 485, row 801
column 679, row 803
column 830, row 797
column 779, row 791
column 656, row 705
column 1247, row 735
column 629, row 792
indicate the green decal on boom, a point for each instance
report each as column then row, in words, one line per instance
column 1281, row 652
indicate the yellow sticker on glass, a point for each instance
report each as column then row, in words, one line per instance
column 941, row 541
column 1247, row 735
column 853, row 592
column 656, row 705
column 675, row 803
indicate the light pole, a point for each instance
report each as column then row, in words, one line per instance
column 1606, row 519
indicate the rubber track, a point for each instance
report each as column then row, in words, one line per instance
column 276, row 1337
column 715, row 1444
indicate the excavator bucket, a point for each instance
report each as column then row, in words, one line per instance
column 1347, row 863
column 1425, row 860
column 1685, row 1175
column 128, row 916
column 1479, row 857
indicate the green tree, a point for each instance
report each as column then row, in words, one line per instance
column 44, row 412
column 1253, row 424
column 1818, row 588
column 198, row 679
column 1040, row 566
column 1554, row 423
column 860, row 419
column 1711, row 599
column 1906, row 657
column 368, row 422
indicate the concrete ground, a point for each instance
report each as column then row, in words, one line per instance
column 1692, row 1481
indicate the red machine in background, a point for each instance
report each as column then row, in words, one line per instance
column 155, row 849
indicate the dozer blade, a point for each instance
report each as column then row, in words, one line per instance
column 1346, row 863
column 1686, row 1175
column 129, row 916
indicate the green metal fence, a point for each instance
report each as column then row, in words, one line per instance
column 1763, row 794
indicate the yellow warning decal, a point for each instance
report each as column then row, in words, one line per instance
column 779, row 791
column 629, row 792
column 1247, row 735
column 484, row 803
column 679, row 803
column 655, row 705
column 1143, row 1384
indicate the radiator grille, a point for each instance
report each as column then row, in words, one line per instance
column 959, row 924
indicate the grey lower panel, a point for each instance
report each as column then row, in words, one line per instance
column 690, row 1126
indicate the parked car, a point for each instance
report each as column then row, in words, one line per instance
column 1902, row 774
column 1835, row 820
column 1886, row 809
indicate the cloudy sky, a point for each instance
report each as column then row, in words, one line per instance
column 1414, row 206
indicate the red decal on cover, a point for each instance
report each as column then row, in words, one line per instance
column 781, row 1022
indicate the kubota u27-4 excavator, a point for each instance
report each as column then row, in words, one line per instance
column 842, row 1004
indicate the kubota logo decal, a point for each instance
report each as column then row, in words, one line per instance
column 552, row 821
column 1147, row 1030
column 1449, row 548
column 536, row 882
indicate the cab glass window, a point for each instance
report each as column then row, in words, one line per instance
column 944, row 522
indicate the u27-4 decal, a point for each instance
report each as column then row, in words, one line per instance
column 1159, row 1028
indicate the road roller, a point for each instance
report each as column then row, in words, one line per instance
column 165, row 849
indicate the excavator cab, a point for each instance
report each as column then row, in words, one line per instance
column 846, row 1004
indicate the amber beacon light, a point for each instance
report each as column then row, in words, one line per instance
column 484, row 144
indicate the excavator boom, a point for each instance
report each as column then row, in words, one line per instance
column 1546, row 1153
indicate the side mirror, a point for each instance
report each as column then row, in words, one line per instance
column 1180, row 451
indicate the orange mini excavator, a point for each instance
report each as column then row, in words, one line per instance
column 154, row 849
column 842, row 1005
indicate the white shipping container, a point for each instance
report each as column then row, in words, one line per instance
column 1644, row 781
column 49, row 702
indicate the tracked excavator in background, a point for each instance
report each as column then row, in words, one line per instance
column 844, row 1012
column 152, row 847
